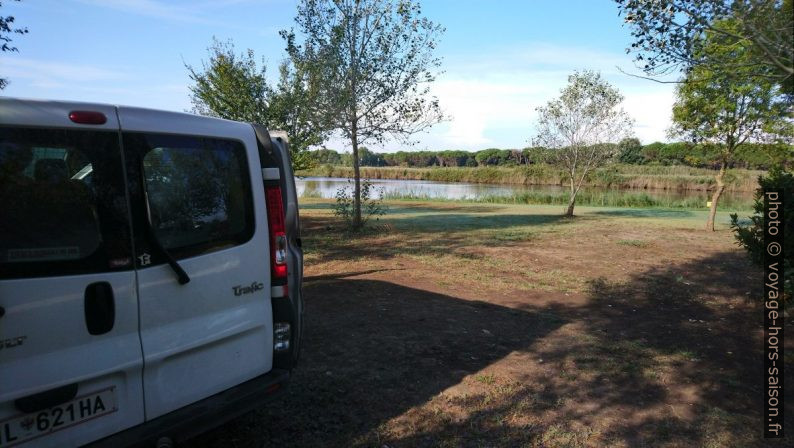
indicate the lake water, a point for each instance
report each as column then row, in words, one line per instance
column 326, row 187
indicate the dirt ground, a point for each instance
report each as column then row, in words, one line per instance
column 462, row 325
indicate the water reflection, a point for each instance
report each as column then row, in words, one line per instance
column 326, row 187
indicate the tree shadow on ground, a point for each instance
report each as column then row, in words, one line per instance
column 646, row 213
column 422, row 235
column 373, row 350
column 459, row 221
column 670, row 358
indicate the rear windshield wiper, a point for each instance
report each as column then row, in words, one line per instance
column 181, row 275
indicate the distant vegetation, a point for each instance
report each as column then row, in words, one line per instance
column 609, row 198
column 616, row 176
column 752, row 156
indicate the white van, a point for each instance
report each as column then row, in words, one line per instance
column 150, row 273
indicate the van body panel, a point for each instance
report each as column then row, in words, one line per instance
column 136, row 119
column 57, row 219
column 201, row 342
column 93, row 362
column 44, row 113
column 206, row 335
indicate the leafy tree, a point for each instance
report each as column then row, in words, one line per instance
column 517, row 156
column 375, row 59
column 293, row 107
column 668, row 36
column 7, row 28
column 751, row 236
column 577, row 125
column 490, row 156
column 453, row 158
column 730, row 108
column 326, row 156
column 230, row 86
column 369, row 158
column 535, row 155
column 234, row 86
column 630, row 151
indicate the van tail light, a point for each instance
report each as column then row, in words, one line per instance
column 87, row 117
column 278, row 235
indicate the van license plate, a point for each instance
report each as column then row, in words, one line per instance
column 23, row 428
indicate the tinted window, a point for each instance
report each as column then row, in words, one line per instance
column 198, row 191
column 64, row 209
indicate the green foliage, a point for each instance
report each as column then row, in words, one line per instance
column 491, row 156
column 230, row 85
column 726, row 108
column 535, row 155
column 610, row 198
column 760, row 156
column 373, row 60
column 369, row 158
column 293, row 107
column 751, row 235
column 579, row 126
column 668, row 37
column 630, row 151
column 370, row 206
column 7, row 28
column 233, row 86
column 326, row 156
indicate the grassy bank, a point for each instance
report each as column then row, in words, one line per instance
column 614, row 176
column 595, row 199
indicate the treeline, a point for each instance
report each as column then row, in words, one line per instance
column 630, row 151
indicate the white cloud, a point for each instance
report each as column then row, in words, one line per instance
column 652, row 112
column 477, row 105
column 492, row 99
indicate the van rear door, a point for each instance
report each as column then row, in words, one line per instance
column 70, row 353
column 190, row 184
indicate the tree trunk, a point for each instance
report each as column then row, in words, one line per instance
column 571, row 203
column 716, row 196
column 572, row 200
column 357, row 178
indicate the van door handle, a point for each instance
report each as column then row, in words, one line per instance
column 100, row 308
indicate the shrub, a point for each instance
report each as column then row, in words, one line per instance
column 630, row 151
column 751, row 235
column 370, row 206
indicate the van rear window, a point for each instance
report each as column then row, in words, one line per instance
column 63, row 208
column 197, row 191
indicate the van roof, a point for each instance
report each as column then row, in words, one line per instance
column 33, row 110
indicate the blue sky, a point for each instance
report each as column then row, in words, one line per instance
column 502, row 58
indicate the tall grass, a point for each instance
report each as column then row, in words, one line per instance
column 589, row 198
column 613, row 176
